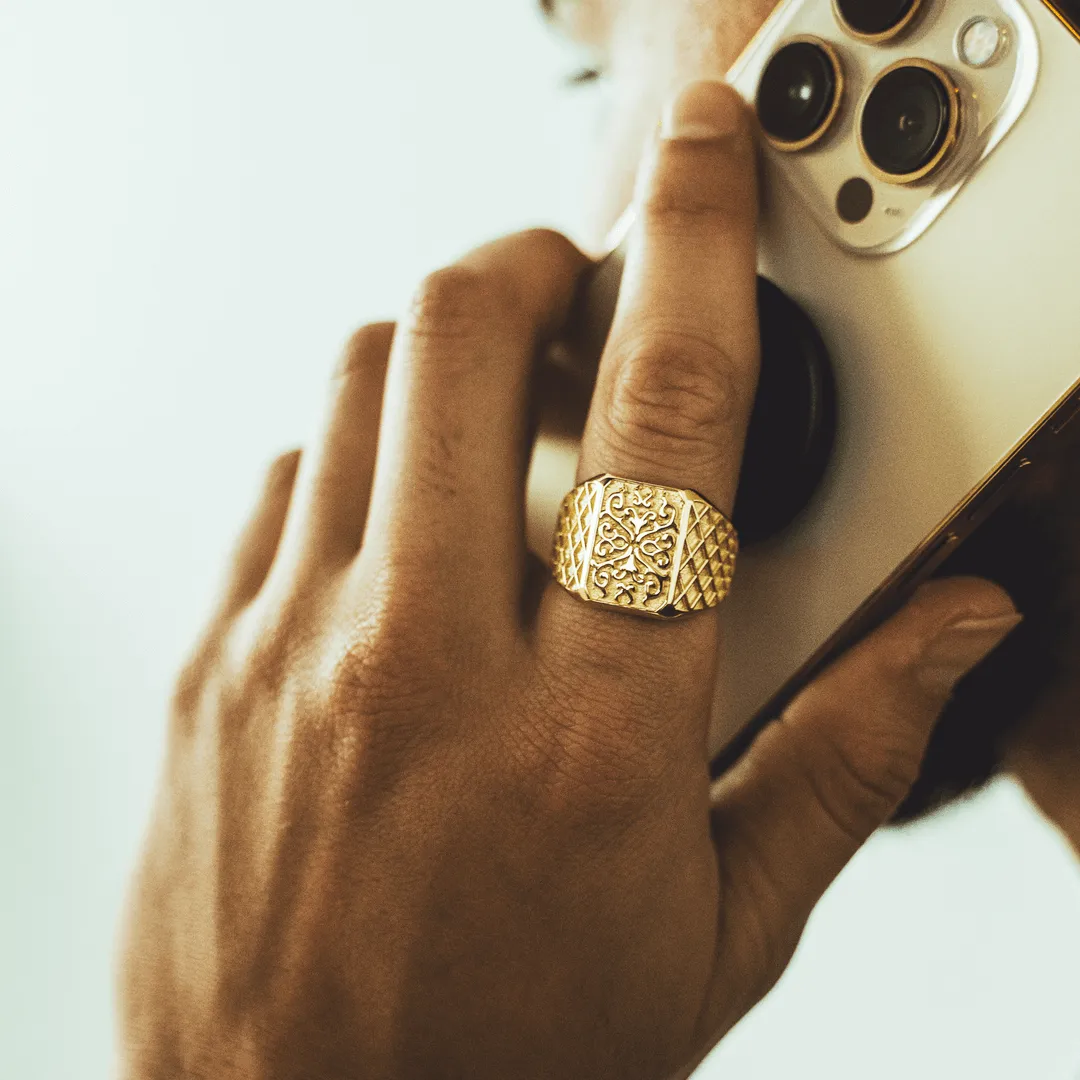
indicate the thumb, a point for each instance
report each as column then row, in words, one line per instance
column 843, row 756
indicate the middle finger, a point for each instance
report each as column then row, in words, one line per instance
column 448, row 499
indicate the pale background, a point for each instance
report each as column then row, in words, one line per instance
column 198, row 201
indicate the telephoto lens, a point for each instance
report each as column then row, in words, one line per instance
column 799, row 94
column 875, row 21
column 909, row 122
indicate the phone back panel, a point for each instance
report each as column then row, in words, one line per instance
column 947, row 353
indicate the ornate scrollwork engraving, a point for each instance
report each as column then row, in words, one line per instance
column 657, row 550
column 635, row 543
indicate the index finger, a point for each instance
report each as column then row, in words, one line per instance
column 677, row 379
column 676, row 382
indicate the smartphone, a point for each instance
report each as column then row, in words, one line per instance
column 921, row 204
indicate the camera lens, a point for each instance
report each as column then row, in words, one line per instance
column 799, row 94
column 909, row 121
column 875, row 20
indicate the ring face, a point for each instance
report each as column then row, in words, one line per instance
column 654, row 550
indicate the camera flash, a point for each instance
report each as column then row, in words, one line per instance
column 980, row 42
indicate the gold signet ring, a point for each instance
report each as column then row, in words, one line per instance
column 657, row 551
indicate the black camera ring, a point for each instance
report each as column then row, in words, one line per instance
column 830, row 56
column 943, row 147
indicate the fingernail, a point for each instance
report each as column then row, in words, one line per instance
column 702, row 111
column 959, row 647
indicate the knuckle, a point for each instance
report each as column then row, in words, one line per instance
column 674, row 392
column 189, row 688
column 548, row 246
column 374, row 677
column 202, row 685
column 458, row 301
column 543, row 237
column 440, row 471
column 268, row 650
column 583, row 753
column 385, row 713
column 370, row 712
column 573, row 777
column 682, row 216
column 681, row 207
column 371, row 678
column 686, row 200
column 590, row 660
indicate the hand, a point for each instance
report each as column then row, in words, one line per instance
column 414, row 823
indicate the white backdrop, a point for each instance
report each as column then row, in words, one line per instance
column 198, row 202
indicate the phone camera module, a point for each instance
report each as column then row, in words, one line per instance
column 875, row 21
column 799, row 93
column 909, row 121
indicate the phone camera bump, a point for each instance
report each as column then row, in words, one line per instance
column 909, row 121
column 876, row 21
column 799, row 93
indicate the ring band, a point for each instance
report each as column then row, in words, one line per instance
column 654, row 550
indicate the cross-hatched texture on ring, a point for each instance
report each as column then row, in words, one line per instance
column 655, row 550
column 707, row 566
column 572, row 540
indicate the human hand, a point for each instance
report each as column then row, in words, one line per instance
column 1022, row 714
column 418, row 820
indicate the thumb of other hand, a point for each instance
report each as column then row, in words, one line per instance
column 836, row 765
